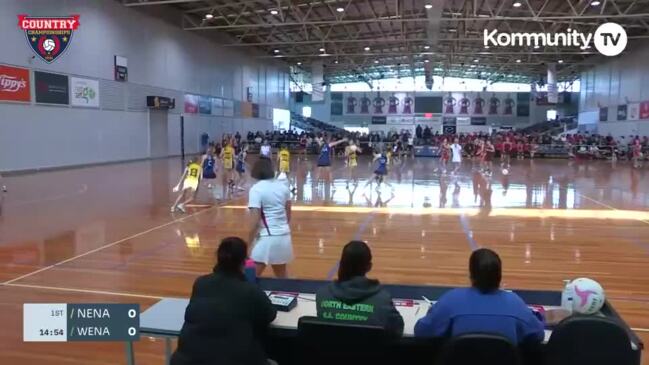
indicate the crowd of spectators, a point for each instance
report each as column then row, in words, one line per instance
column 579, row 145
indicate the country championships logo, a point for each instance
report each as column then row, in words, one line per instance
column 48, row 37
column 610, row 39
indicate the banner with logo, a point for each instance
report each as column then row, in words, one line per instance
column 217, row 106
column 204, row 105
column 378, row 103
column 228, row 108
column 379, row 120
column 621, row 112
column 644, row 110
column 51, row 88
column 191, row 104
column 85, row 92
column 603, row 114
column 633, row 112
column 400, row 120
column 478, row 103
column 14, row 84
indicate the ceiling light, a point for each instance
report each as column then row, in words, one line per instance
column 428, row 6
column 517, row 4
column 536, row 46
column 274, row 12
column 486, row 47
column 476, row 60
column 452, row 30
column 376, row 61
column 472, row 66
column 595, row 3
column 322, row 49
column 426, row 47
column 426, row 61
column 483, row 15
column 276, row 51
column 209, row 16
column 367, row 48
column 518, row 61
column 560, row 61
column 336, row 62
column 340, row 10
column 299, row 63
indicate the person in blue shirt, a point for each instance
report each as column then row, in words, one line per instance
column 482, row 308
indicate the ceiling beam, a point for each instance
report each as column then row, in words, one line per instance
column 393, row 19
column 155, row 2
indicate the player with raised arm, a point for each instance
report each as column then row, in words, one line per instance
column 324, row 159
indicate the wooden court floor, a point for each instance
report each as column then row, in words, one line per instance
column 105, row 234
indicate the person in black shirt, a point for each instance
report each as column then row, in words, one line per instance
column 227, row 317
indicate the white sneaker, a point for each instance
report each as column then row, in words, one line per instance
column 181, row 207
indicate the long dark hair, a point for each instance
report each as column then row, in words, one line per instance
column 231, row 256
column 356, row 260
column 262, row 169
column 485, row 269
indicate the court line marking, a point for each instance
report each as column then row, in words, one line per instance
column 357, row 236
column 607, row 206
column 86, row 291
column 108, row 245
column 468, row 233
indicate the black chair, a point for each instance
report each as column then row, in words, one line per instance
column 479, row 349
column 325, row 342
column 590, row 340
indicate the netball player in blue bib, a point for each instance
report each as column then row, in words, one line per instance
column 381, row 171
column 209, row 167
column 324, row 159
column 241, row 166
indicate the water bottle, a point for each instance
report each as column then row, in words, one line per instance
column 250, row 271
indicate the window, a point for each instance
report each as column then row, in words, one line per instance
column 281, row 119
column 306, row 111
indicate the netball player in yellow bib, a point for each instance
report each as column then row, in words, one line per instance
column 351, row 152
column 190, row 179
column 227, row 158
column 284, row 160
column 284, row 165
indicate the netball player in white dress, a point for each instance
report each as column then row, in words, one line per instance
column 270, row 205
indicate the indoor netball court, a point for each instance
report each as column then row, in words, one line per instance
column 399, row 123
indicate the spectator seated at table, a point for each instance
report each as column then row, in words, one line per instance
column 227, row 317
column 482, row 308
column 355, row 299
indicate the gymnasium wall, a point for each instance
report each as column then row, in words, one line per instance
column 616, row 82
column 162, row 60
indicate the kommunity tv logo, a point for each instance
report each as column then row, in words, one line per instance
column 610, row 39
